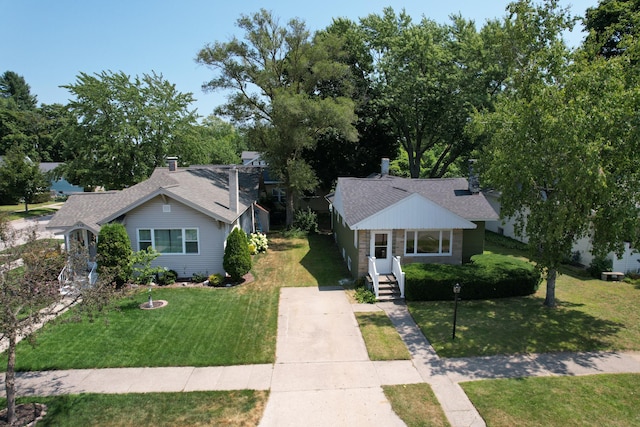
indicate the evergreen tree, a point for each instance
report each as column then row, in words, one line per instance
column 237, row 259
column 114, row 253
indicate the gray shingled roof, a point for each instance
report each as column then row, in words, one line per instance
column 364, row 197
column 205, row 188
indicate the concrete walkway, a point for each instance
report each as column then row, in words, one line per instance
column 323, row 376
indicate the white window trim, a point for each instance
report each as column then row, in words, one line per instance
column 439, row 253
column 184, row 239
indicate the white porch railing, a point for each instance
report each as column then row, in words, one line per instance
column 373, row 273
column 70, row 283
column 399, row 274
column 93, row 274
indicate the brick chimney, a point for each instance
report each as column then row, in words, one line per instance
column 384, row 167
column 474, row 180
column 172, row 162
column 234, row 189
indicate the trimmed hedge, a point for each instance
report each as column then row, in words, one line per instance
column 486, row 276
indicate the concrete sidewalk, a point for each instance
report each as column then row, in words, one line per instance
column 323, row 375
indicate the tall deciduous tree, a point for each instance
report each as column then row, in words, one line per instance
column 561, row 143
column 274, row 73
column 123, row 128
column 21, row 178
column 334, row 156
column 612, row 27
column 430, row 79
column 214, row 141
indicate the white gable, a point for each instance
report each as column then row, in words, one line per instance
column 338, row 204
column 413, row 213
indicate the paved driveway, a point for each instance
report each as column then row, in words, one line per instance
column 323, row 375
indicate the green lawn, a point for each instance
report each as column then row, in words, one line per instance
column 199, row 326
column 381, row 338
column 36, row 209
column 591, row 315
column 416, row 405
column 596, row 400
column 211, row 408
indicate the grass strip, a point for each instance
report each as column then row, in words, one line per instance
column 211, row 408
column 416, row 405
column 595, row 400
column 381, row 338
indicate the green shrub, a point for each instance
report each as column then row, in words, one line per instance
column 237, row 259
column 365, row 296
column 143, row 273
column 598, row 265
column 216, row 279
column 114, row 253
column 306, row 220
column 259, row 242
column 504, row 241
column 198, row 277
column 166, row 277
column 487, row 276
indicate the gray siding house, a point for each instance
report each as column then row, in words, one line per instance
column 185, row 214
column 384, row 218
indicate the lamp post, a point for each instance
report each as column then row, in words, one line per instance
column 456, row 292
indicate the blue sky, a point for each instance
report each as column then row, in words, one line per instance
column 50, row 42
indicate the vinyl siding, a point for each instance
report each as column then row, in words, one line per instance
column 211, row 236
column 473, row 242
column 345, row 238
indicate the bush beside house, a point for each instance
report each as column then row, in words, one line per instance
column 114, row 253
column 237, row 259
column 486, row 276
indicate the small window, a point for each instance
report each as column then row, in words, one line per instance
column 191, row 240
column 144, row 239
column 279, row 194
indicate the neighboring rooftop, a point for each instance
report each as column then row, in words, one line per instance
column 204, row 188
column 364, row 197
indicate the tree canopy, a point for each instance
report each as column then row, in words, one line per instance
column 123, row 128
column 561, row 143
column 274, row 74
column 430, row 78
column 612, row 27
column 14, row 88
column 20, row 178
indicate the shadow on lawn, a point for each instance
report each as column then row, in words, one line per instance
column 513, row 326
column 277, row 243
column 323, row 261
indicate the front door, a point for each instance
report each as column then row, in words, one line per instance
column 381, row 249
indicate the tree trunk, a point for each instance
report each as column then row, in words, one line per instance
column 10, row 379
column 414, row 167
column 289, row 208
column 550, row 300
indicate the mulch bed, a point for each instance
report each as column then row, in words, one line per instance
column 26, row 414
column 227, row 283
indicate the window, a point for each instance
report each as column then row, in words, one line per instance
column 428, row 242
column 279, row 195
column 144, row 239
column 169, row 241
